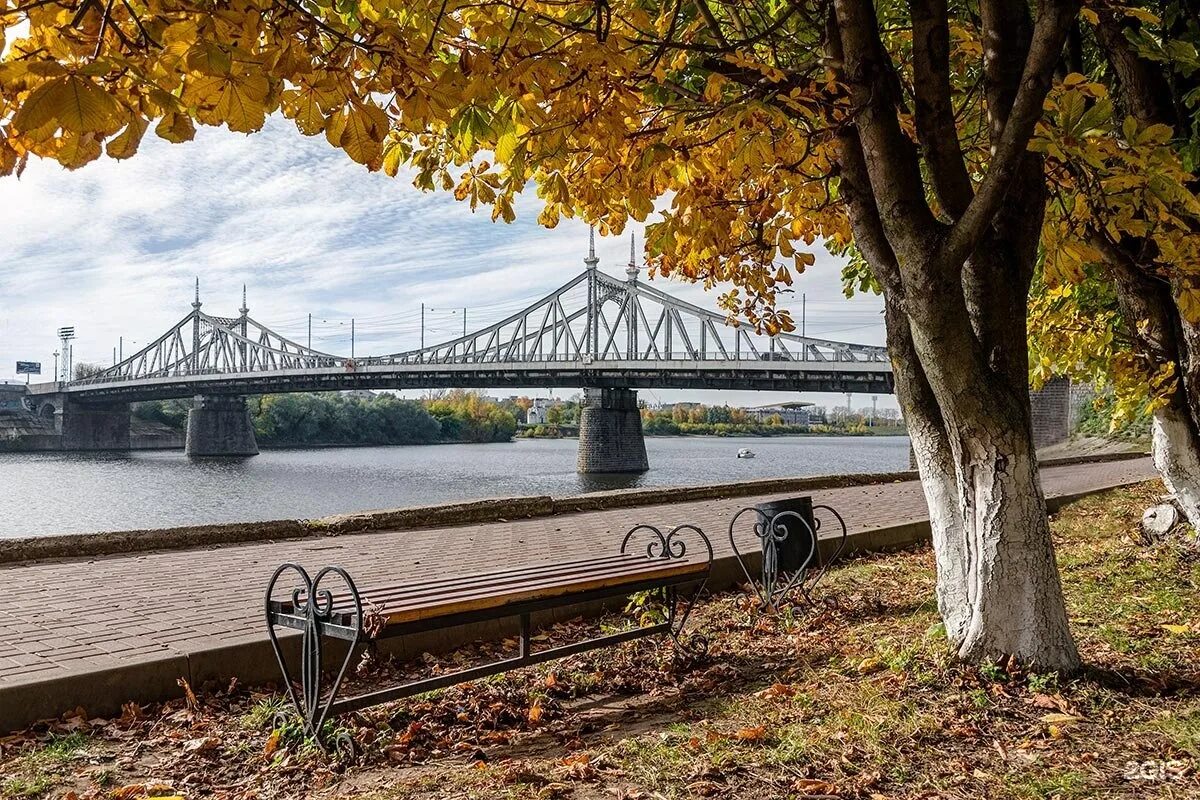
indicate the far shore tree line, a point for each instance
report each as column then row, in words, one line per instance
column 1018, row 181
column 332, row 418
column 468, row 416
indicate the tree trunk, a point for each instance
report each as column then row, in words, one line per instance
column 955, row 292
column 998, row 564
column 1177, row 459
column 1154, row 323
column 1014, row 598
column 935, row 465
column 1152, row 317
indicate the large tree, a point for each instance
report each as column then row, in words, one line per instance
column 1118, row 303
column 898, row 132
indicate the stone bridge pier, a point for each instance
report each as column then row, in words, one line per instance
column 219, row 425
column 92, row 426
column 610, row 432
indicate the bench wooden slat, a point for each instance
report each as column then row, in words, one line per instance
column 565, row 573
column 635, row 570
column 455, row 583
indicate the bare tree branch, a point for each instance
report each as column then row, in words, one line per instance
column 1050, row 31
column 936, row 127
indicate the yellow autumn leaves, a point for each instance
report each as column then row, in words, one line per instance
column 72, row 104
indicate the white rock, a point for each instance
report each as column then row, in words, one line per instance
column 1158, row 521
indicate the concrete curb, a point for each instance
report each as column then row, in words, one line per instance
column 34, row 548
column 102, row 692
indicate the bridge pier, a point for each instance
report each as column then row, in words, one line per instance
column 93, row 426
column 219, row 425
column 610, row 432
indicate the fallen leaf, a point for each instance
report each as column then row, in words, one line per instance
column 189, row 695
column 869, row 665
column 1062, row 719
column 813, row 786
column 272, row 744
column 1056, row 701
column 1178, row 630
column 752, row 734
column 202, row 745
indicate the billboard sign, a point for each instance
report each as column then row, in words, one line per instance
column 29, row 368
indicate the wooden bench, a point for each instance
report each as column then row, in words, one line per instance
column 647, row 560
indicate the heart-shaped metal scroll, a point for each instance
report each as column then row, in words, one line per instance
column 673, row 545
column 316, row 606
column 823, row 564
column 772, row 586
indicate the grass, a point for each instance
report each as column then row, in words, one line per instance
column 857, row 698
column 40, row 770
column 262, row 714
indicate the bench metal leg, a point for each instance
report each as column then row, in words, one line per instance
column 311, row 610
column 526, row 636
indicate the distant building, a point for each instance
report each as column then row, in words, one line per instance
column 12, row 396
column 536, row 414
column 360, row 394
column 796, row 413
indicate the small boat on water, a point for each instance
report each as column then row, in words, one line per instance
column 745, row 452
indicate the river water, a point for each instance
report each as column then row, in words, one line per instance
column 50, row 493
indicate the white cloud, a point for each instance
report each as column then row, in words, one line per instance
column 113, row 250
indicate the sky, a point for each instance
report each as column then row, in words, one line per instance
column 115, row 247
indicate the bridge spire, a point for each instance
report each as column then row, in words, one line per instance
column 194, row 358
column 631, row 270
column 592, row 259
column 244, row 309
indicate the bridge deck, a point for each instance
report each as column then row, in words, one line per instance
column 116, row 625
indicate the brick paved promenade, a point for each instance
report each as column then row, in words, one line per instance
column 167, row 612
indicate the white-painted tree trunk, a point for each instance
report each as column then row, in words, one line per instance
column 1014, row 598
column 998, row 587
column 936, row 468
column 1177, row 460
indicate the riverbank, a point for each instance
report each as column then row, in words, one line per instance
column 858, row 700
column 196, row 613
column 21, row 549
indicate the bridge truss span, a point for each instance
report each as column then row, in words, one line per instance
column 626, row 321
column 201, row 344
column 593, row 331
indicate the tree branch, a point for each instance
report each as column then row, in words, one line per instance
column 1050, row 31
column 712, row 23
column 936, row 128
column 890, row 157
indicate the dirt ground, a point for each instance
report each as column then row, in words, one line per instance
column 853, row 697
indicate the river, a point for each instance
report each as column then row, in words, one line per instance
column 50, row 493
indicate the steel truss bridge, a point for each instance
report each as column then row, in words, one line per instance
column 593, row 331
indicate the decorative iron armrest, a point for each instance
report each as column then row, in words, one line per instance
column 311, row 610
column 672, row 546
column 824, row 565
column 775, row 584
